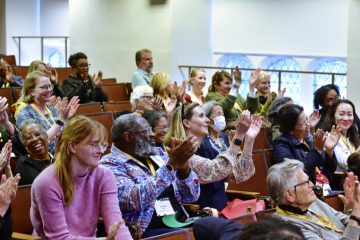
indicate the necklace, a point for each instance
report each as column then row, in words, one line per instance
column 78, row 186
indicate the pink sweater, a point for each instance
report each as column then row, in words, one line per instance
column 97, row 193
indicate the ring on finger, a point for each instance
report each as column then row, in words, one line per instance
column 190, row 150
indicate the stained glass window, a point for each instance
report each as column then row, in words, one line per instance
column 241, row 62
column 332, row 66
column 290, row 81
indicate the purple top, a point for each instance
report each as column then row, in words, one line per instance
column 97, row 193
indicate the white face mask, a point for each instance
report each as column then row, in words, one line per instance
column 219, row 123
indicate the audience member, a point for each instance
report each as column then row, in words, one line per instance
column 7, row 79
column 297, row 142
column 34, row 137
column 230, row 165
column 198, row 81
column 144, row 62
column 291, row 189
column 342, row 113
column 325, row 97
column 159, row 126
column 8, row 130
column 37, row 92
column 5, row 167
column 81, row 83
column 276, row 105
column 222, row 91
column 145, row 179
column 68, row 196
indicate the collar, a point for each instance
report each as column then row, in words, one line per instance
column 292, row 209
column 143, row 72
column 295, row 141
column 160, row 145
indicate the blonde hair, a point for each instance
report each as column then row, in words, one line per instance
column 193, row 74
column 76, row 130
column 159, row 82
column 261, row 77
column 218, row 77
column 177, row 128
column 29, row 83
column 34, row 65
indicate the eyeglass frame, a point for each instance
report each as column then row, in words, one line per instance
column 84, row 65
column 329, row 100
column 47, row 87
column 148, row 131
column 95, row 147
column 305, row 122
column 308, row 182
column 162, row 128
column 152, row 97
column 33, row 136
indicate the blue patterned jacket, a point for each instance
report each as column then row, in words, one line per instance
column 138, row 188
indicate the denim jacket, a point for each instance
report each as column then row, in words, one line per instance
column 138, row 188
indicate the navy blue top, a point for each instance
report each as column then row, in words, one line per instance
column 212, row 194
column 287, row 146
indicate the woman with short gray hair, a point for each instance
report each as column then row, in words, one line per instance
column 141, row 99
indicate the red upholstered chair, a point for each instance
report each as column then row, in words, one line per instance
column 108, row 80
column 21, row 71
column 63, row 73
column 89, row 108
column 117, row 106
column 106, row 119
column 10, row 59
column 116, row 92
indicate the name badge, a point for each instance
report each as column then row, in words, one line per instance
column 163, row 207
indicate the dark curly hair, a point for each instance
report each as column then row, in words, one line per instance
column 320, row 94
column 353, row 162
column 330, row 121
column 286, row 117
column 218, row 77
column 271, row 228
column 74, row 57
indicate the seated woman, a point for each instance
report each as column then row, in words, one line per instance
column 296, row 142
column 217, row 141
column 37, row 92
column 222, row 91
column 230, row 165
column 81, row 84
column 35, row 139
column 198, row 81
column 7, row 79
column 342, row 113
column 275, row 106
column 67, row 189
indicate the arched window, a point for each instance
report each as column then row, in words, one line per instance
column 241, row 62
column 56, row 59
column 333, row 66
column 290, row 81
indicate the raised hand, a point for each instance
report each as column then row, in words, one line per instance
column 8, row 74
column 254, row 128
column 202, row 98
column 171, row 105
column 231, row 134
column 58, row 103
column 349, row 186
column 281, row 93
column 269, row 97
column 314, row 120
column 253, row 78
column 5, row 156
column 113, row 230
column 52, row 101
column 58, row 142
column 8, row 189
column 333, row 138
column 265, row 123
column 96, row 80
column 237, row 76
column 73, row 106
column 63, row 110
column 3, row 114
column 319, row 140
column 181, row 151
column 181, row 91
column 53, row 77
column 242, row 124
column 157, row 103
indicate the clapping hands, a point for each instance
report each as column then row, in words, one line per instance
column 5, row 156
column 314, row 120
column 254, row 128
column 242, row 124
column 253, row 78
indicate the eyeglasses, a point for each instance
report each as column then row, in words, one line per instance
column 96, row 147
column 145, row 131
column 163, row 128
column 307, row 182
column 148, row 97
column 84, row 65
column 329, row 100
column 31, row 137
column 45, row 88
column 303, row 125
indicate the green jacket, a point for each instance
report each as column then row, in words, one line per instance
column 228, row 104
column 263, row 109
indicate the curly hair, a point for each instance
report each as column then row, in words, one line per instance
column 218, row 77
column 320, row 94
column 74, row 57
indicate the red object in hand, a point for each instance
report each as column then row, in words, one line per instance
column 187, row 98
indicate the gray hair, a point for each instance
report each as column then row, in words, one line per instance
column 138, row 92
column 282, row 176
column 208, row 107
column 123, row 124
column 139, row 55
column 277, row 104
column 153, row 116
column 28, row 121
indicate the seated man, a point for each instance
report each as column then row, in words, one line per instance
column 7, row 79
column 145, row 179
column 144, row 62
column 291, row 189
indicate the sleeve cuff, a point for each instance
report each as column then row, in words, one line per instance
column 189, row 180
column 252, row 94
column 233, row 92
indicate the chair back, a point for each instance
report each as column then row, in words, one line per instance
column 108, row 80
column 244, row 219
column 63, row 73
column 334, row 201
column 89, row 108
column 270, row 157
column 262, row 214
column 256, row 183
column 176, row 235
column 13, row 163
column 117, row 106
column 10, row 59
column 16, row 93
column 116, row 92
column 106, row 119
column 21, row 71
column 20, row 207
column 129, row 88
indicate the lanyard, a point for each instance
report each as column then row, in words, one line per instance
column 5, row 85
column 236, row 106
column 152, row 169
column 324, row 221
column 42, row 115
column 347, row 144
column 316, row 168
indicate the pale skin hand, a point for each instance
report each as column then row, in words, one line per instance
column 52, row 73
column 181, row 91
column 252, row 133
column 157, row 103
column 264, row 123
column 8, row 189
column 5, row 158
column 314, row 120
column 113, row 230
column 73, row 106
column 237, row 76
column 63, row 110
column 231, row 134
column 4, row 119
column 202, row 98
column 349, row 186
column 96, row 80
column 242, row 124
column 332, row 139
column 8, row 74
column 319, row 140
column 253, row 78
column 52, row 101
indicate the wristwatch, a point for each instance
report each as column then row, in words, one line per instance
column 235, row 86
column 357, row 219
column 237, row 141
column 58, row 122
